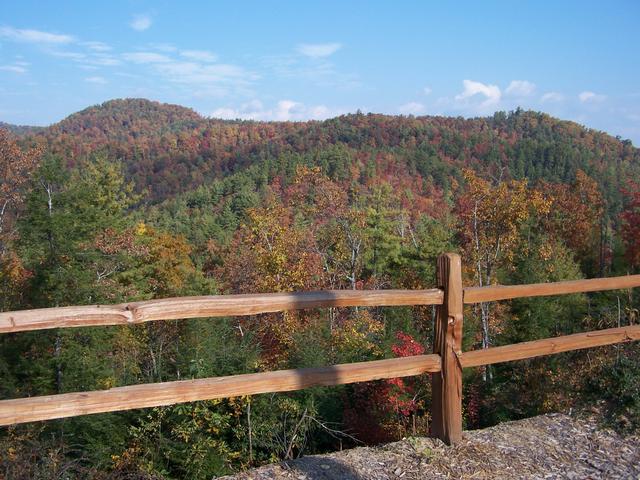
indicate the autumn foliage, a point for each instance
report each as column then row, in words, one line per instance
column 135, row 200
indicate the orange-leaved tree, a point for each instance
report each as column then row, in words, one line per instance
column 576, row 214
column 630, row 217
column 271, row 253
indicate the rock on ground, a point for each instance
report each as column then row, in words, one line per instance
column 546, row 447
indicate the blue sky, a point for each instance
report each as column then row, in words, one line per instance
column 294, row 60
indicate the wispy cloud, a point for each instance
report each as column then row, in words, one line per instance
column 85, row 53
column 196, row 69
column 591, row 97
column 283, row 111
column 199, row 55
column 318, row 50
column 78, row 56
column 472, row 88
column 163, row 47
column 520, row 88
column 412, row 108
column 552, row 97
column 13, row 68
column 141, row 22
column 97, row 46
column 192, row 72
column 427, row 90
column 318, row 71
column 96, row 80
column 103, row 60
column 34, row 36
column 146, row 57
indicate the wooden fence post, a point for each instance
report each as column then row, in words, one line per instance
column 447, row 384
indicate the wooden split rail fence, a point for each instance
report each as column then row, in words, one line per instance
column 445, row 364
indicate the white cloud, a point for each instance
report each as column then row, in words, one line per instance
column 412, row 108
column 146, row 57
column 97, row 46
column 253, row 110
column 427, row 90
column 72, row 55
column 13, row 68
column 191, row 72
column 319, row 71
column 163, row 47
column 97, row 80
column 34, row 36
column 491, row 93
column 226, row 113
column 103, row 59
column 202, row 78
column 520, row 88
column 199, row 55
column 318, row 50
column 588, row 96
column 92, row 52
column 140, row 22
column 319, row 112
column 552, row 97
column 284, row 110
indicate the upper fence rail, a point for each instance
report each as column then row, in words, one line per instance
column 209, row 306
column 253, row 304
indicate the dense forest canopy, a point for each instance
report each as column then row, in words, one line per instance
column 135, row 199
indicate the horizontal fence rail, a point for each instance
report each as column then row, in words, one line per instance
column 48, row 407
column 209, row 306
column 493, row 293
column 549, row 346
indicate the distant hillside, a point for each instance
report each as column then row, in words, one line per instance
column 20, row 129
column 170, row 149
column 123, row 120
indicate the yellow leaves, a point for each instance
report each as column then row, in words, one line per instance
column 106, row 383
column 492, row 217
column 141, row 229
column 270, row 253
column 169, row 260
column 359, row 336
column 545, row 251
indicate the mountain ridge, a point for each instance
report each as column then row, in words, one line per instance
column 169, row 149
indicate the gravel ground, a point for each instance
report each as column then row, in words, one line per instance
column 546, row 447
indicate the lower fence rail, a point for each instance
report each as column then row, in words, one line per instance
column 22, row 410
column 549, row 346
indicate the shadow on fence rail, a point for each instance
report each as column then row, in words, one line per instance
column 445, row 364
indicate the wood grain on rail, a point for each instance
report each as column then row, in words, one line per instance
column 549, row 346
column 505, row 292
column 157, row 394
column 208, row 306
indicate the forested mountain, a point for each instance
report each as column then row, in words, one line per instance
column 134, row 200
column 169, row 149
